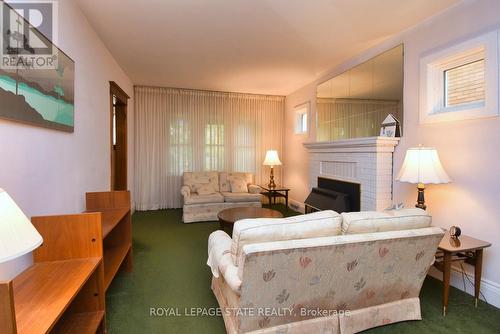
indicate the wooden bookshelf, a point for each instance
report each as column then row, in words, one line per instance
column 111, row 218
column 82, row 323
column 63, row 291
column 116, row 223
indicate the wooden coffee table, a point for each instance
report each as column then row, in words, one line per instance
column 228, row 217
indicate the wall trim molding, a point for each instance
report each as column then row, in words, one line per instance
column 296, row 205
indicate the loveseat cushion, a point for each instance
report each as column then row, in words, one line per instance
column 195, row 179
column 238, row 186
column 391, row 220
column 241, row 197
column 205, row 189
column 204, row 199
column 225, row 178
column 318, row 224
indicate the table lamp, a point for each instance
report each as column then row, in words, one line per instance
column 272, row 160
column 422, row 166
column 18, row 236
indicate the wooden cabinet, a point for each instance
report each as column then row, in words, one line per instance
column 63, row 292
column 115, row 212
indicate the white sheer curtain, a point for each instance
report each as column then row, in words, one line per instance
column 179, row 130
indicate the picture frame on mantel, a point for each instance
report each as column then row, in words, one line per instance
column 37, row 84
column 390, row 127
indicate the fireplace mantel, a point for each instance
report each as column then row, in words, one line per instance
column 367, row 161
column 369, row 144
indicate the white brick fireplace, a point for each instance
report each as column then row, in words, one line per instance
column 367, row 161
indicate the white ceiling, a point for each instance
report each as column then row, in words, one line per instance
column 252, row 46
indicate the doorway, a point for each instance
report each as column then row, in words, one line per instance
column 118, row 138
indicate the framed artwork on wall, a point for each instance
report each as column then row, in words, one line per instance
column 36, row 83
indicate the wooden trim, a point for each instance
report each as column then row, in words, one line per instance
column 118, row 154
column 120, row 93
column 7, row 311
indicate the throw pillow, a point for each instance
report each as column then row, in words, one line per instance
column 238, row 185
column 205, row 189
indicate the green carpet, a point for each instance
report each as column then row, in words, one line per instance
column 170, row 272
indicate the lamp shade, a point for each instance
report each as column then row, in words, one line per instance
column 272, row 158
column 422, row 165
column 17, row 235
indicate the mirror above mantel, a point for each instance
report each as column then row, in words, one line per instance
column 354, row 103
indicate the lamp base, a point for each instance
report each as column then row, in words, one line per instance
column 420, row 199
column 271, row 184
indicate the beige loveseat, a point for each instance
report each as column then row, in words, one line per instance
column 322, row 272
column 205, row 207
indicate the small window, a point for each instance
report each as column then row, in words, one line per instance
column 301, row 118
column 460, row 82
column 465, row 84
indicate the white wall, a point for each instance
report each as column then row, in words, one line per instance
column 47, row 171
column 468, row 150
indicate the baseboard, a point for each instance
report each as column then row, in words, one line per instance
column 490, row 289
column 296, row 205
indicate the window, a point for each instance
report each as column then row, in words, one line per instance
column 214, row 147
column 460, row 82
column 181, row 150
column 244, row 147
column 301, row 118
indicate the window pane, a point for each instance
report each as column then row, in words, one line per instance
column 214, row 147
column 181, row 152
column 304, row 122
column 465, row 84
column 244, row 147
column 301, row 119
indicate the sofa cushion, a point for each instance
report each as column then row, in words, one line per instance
column 390, row 220
column 241, row 197
column 203, row 199
column 225, row 178
column 194, row 179
column 318, row 224
column 238, row 186
column 205, row 189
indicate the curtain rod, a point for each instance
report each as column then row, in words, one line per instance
column 208, row 91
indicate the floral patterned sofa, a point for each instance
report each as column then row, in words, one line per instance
column 322, row 272
column 205, row 207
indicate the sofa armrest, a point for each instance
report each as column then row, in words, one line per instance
column 219, row 259
column 254, row 189
column 185, row 191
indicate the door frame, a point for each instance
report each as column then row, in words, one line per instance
column 122, row 97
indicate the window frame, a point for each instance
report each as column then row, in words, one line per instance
column 433, row 67
column 300, row 110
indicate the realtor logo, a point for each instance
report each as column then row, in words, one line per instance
column 28, row 29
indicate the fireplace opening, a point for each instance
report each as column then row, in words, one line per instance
column 337, row 195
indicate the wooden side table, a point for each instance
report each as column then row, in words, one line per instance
column 465, row 249
column 272, row 193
